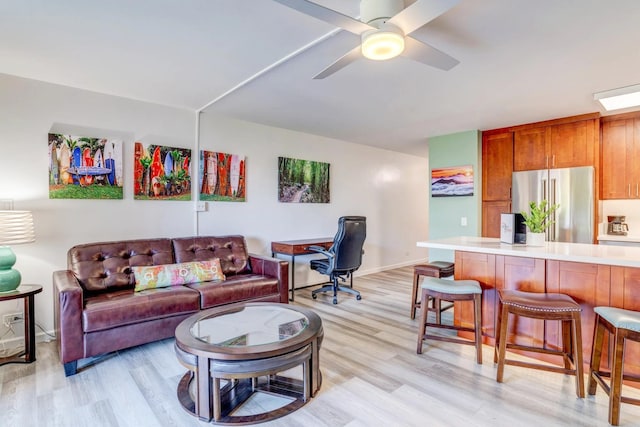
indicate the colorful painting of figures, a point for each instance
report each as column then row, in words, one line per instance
column 454, row 181
column 222, row 177
column 161, row 173
column 302, row 181
column 84, row 168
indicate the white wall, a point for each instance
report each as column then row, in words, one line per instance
column 389, row 188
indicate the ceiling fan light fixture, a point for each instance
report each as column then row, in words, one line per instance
column 384, row 43
column 615, row 99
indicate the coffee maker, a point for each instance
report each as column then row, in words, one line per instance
column 616, row 225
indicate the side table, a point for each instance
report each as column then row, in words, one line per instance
column 27, row 293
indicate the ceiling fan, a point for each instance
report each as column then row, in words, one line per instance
column 384, row 27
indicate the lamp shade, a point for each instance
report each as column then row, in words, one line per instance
column 16, row 227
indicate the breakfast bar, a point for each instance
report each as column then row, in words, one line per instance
column 593, row 275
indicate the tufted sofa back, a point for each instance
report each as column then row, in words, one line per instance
column 107, row 265
column 231, row 250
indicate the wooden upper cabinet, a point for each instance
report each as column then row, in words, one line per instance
column 621, row 158
column 531, row 148
column 497, row 166
column 491, row 211
column 560, row 143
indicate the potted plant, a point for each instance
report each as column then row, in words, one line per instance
column 537, row 221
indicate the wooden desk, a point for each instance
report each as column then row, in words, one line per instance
column 298, row 247
column 26, row 292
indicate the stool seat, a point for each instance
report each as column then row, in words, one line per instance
column 545, row 302
column 452, row 286
column 620, row 318
column 544, row 306
column 433, row 269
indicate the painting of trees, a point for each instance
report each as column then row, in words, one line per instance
column 303, row 181
column 222, row 177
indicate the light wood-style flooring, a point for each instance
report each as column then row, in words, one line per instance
column 372, row 376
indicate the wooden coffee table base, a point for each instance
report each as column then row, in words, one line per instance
column 246, row 377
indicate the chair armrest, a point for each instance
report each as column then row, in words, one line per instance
column 321, row 250
column 273, row 267
column 68, row 306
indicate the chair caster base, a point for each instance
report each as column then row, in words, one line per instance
column 335, row 301
column 314, row 296
column 358, row 297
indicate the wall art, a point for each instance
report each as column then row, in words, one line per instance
column 302, row 181
column 161, row 173
column 82, row 167
column 222, row 177
column 452, row 181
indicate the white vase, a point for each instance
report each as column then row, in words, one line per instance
column 535, row 239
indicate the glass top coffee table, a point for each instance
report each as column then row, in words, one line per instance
column 248, row 347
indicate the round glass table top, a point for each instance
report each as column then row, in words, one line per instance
column 250, row 326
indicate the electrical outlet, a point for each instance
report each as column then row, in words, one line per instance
column 11, row 318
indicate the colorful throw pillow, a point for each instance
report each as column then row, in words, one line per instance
column 162, row 276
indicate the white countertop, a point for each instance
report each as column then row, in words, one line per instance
column 627, row 256
column 613, row 238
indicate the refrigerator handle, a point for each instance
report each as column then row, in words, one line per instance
column 552, row 229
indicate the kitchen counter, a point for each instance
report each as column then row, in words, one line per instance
column 593, row 275
column 625, row 256
column 629, row 239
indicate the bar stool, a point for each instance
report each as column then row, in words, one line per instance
column 433, row 269
column 451, row 290
column 623, row 325
column 545, row 306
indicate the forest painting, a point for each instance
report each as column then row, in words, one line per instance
column 161, row 173
column 84, row 168
column 223, row 178
column 302, row 181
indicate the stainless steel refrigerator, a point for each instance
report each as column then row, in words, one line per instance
column 571, row 188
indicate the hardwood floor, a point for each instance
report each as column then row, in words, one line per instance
column 372, row 376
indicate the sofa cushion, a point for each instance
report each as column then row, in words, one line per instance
column 107, row 266
column 231, row 250
column 235, row 289
column 162, row 276
column 125, row 307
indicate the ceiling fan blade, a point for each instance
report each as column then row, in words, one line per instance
column 422, row 52
column 327, row 15
column 345, row 60
column 419, row 13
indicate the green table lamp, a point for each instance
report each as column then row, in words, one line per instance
column 15, row 227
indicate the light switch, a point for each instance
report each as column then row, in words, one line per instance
column 463, row 221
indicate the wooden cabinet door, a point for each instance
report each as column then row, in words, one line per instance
column 480, row 267
column 531, row 148
column 497, row 165
column 528, row 275
column 573, row 144
column 588, row 285
column 491, row 217
column 618, row 152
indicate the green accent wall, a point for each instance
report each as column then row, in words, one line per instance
column 446, row 213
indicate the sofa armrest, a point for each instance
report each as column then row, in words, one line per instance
column 68, row 306
column 273, row 267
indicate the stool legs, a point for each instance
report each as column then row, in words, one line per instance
column 414, row 294
column 437, row 297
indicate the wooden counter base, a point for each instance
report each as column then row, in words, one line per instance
column 589, row 284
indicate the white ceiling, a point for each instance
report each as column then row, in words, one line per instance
column 520, row 61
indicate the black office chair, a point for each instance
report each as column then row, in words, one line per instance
column 343, row 257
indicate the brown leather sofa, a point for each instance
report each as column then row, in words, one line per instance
column 96, row 308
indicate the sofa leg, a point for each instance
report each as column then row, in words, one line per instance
column 70, row 368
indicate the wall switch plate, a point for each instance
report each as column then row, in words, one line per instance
column 463, row 221
column 201, row 206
